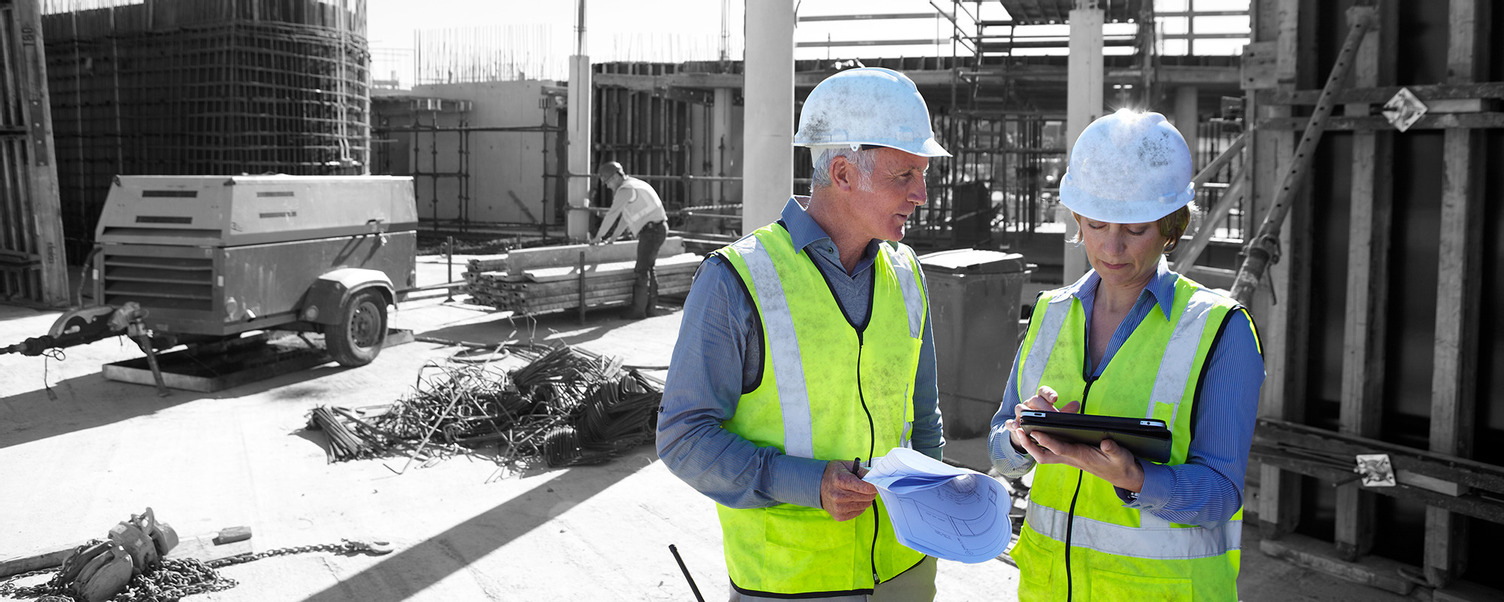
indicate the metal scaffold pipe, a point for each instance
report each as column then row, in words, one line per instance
column 1263, row 248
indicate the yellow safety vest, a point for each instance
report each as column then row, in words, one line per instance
column 1119, row 553
column 831, row 392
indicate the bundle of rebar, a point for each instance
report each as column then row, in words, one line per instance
column 344, row 444
column 565, row 407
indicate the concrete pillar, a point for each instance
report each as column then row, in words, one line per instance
column 1185, row 117
column 768, row 124
column 581, row 93
column 720, row 130
column 1083, row 101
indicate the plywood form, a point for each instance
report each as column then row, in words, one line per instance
column 1370, row 407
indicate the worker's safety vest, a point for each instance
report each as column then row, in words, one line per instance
column 1119, row 553
column 827, row 391
column 643, row 207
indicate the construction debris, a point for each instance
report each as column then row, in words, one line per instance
column 566, row 407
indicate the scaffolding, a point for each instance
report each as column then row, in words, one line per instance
column 187, row 87
column 1005, row 120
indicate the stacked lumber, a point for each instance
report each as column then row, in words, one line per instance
column 520, row 260
column 531, row 281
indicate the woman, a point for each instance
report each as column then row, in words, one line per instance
column 1132, row 338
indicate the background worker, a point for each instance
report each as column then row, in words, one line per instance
column 635, row 208
column 806, row 345
column 1132, row 338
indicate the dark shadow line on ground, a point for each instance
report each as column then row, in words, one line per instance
column 406, row 573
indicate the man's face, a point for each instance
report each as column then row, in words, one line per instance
column 884, row 201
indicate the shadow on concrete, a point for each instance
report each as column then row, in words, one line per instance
column 410, row 571
column 83, row 402
column 90, row 401
column 550, row 328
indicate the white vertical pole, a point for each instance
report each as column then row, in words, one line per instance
column 1083, row 104
column 581, row 91
column 768, row 125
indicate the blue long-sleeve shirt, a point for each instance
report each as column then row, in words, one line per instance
column 718, row 356
column 1208, row 487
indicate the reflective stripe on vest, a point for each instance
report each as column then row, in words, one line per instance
column 908, row 282
column 1155, row 374
column 1055, row 312
column 782, row 342
column 1174, row 368
column 829, row 392
column 1180, row 353
column 1156, row 539
column 782, row 345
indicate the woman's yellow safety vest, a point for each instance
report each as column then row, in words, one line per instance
column 828, row 391
column 1118, row 553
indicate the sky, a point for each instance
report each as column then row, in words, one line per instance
column 538, row 34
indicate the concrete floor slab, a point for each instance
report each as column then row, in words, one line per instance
column 87, row 454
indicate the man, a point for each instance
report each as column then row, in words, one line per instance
column 635, row 207
column 805, row 348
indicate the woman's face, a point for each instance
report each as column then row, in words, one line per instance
column 1124, row 255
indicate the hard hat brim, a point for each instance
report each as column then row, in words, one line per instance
column 928, row 148
column 1122, row 211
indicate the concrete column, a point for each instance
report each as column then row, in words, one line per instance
column 768, row 124
column 1185, row 117
column 581, row 94
column 1083, row 101
column 720, row 128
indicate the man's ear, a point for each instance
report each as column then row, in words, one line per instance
column 842, row 173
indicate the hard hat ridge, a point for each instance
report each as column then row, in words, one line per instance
column 1128, row 168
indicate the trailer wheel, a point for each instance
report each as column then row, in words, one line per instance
column 357, row 337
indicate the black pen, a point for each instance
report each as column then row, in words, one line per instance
column 856, row 464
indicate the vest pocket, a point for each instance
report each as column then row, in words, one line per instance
column 1109, row 585
column 809, row 552
column 1036, row 568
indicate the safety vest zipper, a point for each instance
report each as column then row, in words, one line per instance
column 871, row 448
column 1070, row 517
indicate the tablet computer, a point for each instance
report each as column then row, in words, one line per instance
column 1147, row 438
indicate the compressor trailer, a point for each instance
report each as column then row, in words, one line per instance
column 202, row 260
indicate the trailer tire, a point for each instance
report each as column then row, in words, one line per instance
column 357, row 337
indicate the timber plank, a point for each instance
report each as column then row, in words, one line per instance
column 1372, row 571
column 1285, row 348
column 1463, row 471
column 1368, row 95
column 1371, row 203
column 1471, row 504
column 1458, row 293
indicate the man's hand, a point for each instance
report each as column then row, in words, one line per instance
column 843, row 493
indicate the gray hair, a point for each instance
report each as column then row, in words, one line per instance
column 864, row 160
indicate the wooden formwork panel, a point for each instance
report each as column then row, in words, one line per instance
column 1375, row 338
column 33, row 264
column 650, row 132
